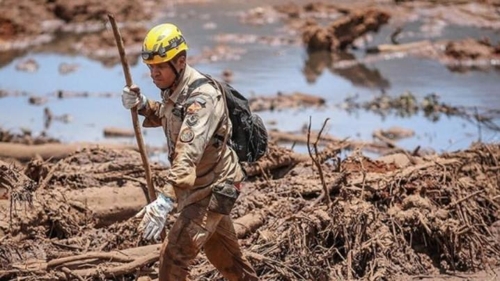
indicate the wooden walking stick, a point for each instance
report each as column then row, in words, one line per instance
column 133, row 111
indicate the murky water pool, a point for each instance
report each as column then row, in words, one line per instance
column 262, row 70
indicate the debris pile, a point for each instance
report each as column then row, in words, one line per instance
column 438, row 213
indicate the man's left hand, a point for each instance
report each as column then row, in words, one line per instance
column 154, row 216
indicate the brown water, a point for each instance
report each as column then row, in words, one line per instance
column 264, row 70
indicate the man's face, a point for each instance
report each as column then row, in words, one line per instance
column 162, row 74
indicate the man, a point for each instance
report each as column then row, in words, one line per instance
column 194, row 118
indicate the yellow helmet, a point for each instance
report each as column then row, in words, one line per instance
column 162, row 43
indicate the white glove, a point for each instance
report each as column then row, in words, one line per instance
column 154, row 217
column 131, row 96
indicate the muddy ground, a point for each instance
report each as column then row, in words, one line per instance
column 393, row 218
column 66, row 210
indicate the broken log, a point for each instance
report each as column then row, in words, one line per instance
column 379, row 148
column 23, row 152
column 118, row 132
column 267, row 164
column 132, row 259
column 249, row 223
column 388, row 48
column 108, row 205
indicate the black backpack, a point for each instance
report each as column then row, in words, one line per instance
column 249, row 135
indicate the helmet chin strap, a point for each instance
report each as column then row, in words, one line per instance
column 178, row 76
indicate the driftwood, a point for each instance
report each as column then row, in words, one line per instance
column 267, row 164
column 407, row 47
column 249, row 223
column 121, row 269
column 24, row 152
column 127, row 202
column 282, row 101
column 380, row 148
column 118, row 132
column 129, row 261
column 379, row 135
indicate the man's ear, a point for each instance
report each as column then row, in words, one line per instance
column 181, row 62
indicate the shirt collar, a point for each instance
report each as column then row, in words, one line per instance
column 184, row 81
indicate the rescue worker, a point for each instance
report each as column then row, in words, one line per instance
column 194, row 119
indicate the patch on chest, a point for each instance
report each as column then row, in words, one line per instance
column 187, row 135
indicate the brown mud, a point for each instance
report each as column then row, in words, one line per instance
column 301, row 217
column 34, row 25
column 66, row 210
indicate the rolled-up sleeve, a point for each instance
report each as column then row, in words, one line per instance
column 151, row 112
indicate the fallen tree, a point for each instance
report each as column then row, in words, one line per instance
column 24, row 152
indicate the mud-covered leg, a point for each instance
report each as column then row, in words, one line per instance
column 223, row 251
column 186, row 238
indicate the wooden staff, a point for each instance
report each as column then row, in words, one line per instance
column 133, row 111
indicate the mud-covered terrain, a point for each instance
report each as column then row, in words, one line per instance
column 26, row 24
column 67, row 209
column 301, row 217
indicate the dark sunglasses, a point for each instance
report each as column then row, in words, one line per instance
column 162, row 51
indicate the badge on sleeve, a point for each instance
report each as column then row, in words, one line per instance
column 187, row 135
column 192, row 119
column 195, row 105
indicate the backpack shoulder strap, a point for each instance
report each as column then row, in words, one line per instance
column 222, row 90
column 197, row 83
column 193, row 86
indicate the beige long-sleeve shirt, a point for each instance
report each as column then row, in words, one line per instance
column 195, row 131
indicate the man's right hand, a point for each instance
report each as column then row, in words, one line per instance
column 131, row 96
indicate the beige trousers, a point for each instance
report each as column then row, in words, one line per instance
column 198, row 228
